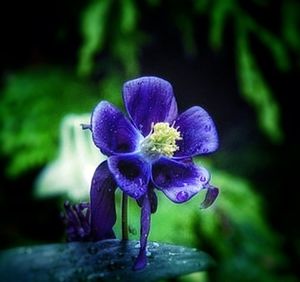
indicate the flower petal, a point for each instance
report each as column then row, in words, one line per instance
column 210, row 197
column 103, row 213
column 131, row 172
column 198, row 132
column 112, row 131
column 149, row 100
column 178, row 180
column 152, row 198
column 141, row 260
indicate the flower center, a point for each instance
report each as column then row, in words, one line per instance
column 161, row 140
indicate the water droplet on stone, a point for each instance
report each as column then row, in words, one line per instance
column 93, row 250
column 61, row 279
column 28, row 251
column 156, row 245
column 182, row 196
column 79, row 270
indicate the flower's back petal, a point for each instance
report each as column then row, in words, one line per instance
column 141, row 260
column 112, row 131
column 131, row 172
column 179, row 181
column 149, row 100
column 198, row 132
column 210, row 197
column 103, row 214
column 152, row 197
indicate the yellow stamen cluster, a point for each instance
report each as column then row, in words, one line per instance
column 161, row 140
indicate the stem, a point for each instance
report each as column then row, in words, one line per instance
column 124, row 217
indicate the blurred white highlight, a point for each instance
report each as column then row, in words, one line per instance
column 71, row 173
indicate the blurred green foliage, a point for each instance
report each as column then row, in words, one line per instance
column 32, row 106
column 35, row 99
column 110, row 26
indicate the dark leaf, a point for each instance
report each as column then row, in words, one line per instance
column 108, row 260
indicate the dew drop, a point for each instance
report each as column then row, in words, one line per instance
column 28, row 251
column 182, row 196
column 156, row 245
column 148, row 253
column 92, row 250
column 207, row 127
column 202, row 178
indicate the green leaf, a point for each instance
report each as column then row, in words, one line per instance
column 128, row 16
column 257, row 92
column 291, row 24
column 109, row 260
column 219, row 14
column 32, row 105
column 93, row 29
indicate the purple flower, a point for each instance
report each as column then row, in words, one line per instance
column 77, row 221
column 150, row 149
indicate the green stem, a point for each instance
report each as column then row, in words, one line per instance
column 124, row 217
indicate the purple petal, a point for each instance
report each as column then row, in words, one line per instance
column 112, row 131
column 131, row 172
column 149, row 100
column 211, row 195
column 103, row 213
column 141, row 260
column 179, row 180
column 152, row 198
column 198, row 132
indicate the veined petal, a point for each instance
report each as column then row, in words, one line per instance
column 112, row 131
column 178, row 180
column 141, row 260
column 198, row 132
column 131, row 172
column 103, row 213
column 149, row 100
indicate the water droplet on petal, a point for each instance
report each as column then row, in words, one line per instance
column 207, row 127
column 182, row 196
column 202, row 178
column 140, row 181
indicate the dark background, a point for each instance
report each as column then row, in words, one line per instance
column 35, row 33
